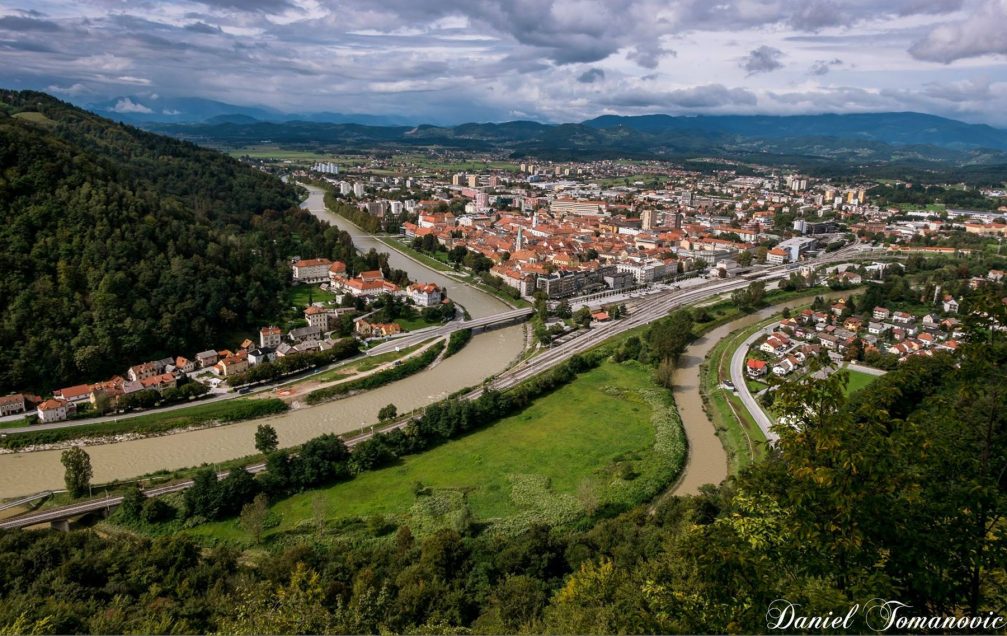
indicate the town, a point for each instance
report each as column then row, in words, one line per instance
column 587, row 234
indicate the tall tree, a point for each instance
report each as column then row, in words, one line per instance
column 78, row 473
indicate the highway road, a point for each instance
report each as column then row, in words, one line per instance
column 647, row 310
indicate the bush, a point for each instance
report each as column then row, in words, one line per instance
column 407, row 368
column 156, row 511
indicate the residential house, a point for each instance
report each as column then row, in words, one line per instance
column 777, row 256
column 140, row 371
column 12, row 404
column 260, row 355
column 233, row 364
column 425, row 294
column 902, row 318
column 270, row 336
column 206, row 358
column 851, row 278
column 367, row 329
column 881, row 313
column 336, row 270
column 950, row 305
column 184, row 364
column 786, row 366
column 246, row 344
column 74, row 394
column 756, row 368
column 55, row 410
column 304, row 333
column 160, row 382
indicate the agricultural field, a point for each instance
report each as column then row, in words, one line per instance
column 610, row 437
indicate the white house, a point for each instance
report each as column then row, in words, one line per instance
column 425, row 294
column 55, row 410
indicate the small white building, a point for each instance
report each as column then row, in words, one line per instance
column 55, row 410
column 425, row 294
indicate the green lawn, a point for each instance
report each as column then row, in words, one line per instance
column 567, row 452
column 301, row 296
column 412, row 324
column 858, row 380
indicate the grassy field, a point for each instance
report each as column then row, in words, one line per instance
column 596, row 440
column 743, row 440
column 35, row 118
column 157, row 422
column 285, row 154
column 858, row 380
column 301, row 296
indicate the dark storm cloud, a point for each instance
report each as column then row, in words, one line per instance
column 591, row 76
column 762, row 60
column 21, row 24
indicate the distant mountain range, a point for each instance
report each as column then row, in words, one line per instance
column 910, row 139
column 144, row 110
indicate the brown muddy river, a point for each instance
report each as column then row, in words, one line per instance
column 707, row 462
column 486, row 354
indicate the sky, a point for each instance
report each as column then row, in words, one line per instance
column 449, row 61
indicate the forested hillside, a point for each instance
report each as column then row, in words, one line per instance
column 898, row 493
column 118, row 245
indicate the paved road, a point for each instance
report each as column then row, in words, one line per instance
column 738, row 378
column 648, row 310
column 853, row 366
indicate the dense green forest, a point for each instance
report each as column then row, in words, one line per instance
column 896, row 493
column 121, row 246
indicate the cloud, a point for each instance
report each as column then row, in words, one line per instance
column 203, row 27
column 72, row 90
column 822, row 67
column 764, row 59
column 649, row 56
column 591, row 76
column 969, row 90
column 982, row 33
column 126, row 105
column 20, row 24
column 706, row 97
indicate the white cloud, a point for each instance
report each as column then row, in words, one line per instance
column 982, row 33
column 126, row 105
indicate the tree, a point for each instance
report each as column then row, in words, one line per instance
column 266, row 440
column 744, row 259
column 132, row 502
column 78, row 470
column 563, row 309
column 254, row 515
column 388, row 412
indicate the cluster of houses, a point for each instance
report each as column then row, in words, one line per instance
column 364, row 284
column 836, row 332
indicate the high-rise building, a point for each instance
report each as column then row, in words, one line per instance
column 648, row 218
column 358, row 189
column 473, row 180
column 456, row 179
column 345, row 188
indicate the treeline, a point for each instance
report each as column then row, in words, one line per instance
column 294, row 362
column 133, row 246
column 907, row 504
column 381, row 378
column 326, row 459
column 457, row 341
